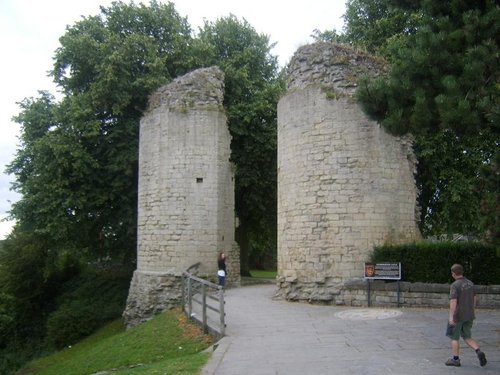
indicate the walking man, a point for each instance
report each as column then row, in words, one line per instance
column 461, row 316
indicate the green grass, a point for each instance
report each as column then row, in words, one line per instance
column 167, row 344
column 258, row 274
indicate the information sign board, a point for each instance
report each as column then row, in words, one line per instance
column 383, row 271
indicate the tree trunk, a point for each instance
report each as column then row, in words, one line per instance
column 241, row 237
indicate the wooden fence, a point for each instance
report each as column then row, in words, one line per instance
column 203, row 303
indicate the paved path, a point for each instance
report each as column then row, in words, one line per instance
column 276, row 337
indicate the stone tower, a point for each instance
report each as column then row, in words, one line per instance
column 186, row 192
column 344, row 184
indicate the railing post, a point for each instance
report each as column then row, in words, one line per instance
column 183, row 286
column 189, row 296
column 204, row 307
column 194, row 287
column 222, row 312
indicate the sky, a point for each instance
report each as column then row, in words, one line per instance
column 30, row 31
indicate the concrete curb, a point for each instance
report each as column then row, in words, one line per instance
column 218, row 351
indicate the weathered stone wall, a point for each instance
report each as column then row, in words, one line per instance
column 344, row 184
column 383, row 294
column 186, row 192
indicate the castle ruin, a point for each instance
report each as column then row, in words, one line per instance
column 186, row 192
column 344, row 184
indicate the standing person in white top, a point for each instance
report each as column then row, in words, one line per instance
column 221, row 266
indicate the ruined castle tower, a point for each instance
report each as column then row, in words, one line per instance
column 186, row 192
column 344, row 184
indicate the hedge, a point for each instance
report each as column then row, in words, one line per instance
column 430, row 262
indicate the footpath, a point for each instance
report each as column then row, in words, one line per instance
column 265, row 337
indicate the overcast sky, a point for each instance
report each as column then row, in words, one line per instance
column 30, row 29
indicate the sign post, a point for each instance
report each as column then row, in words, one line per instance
column 382, row 271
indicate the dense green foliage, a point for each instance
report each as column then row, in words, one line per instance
column 442, row 87
column 378, row 25
column 490, row 205
column 167, row 342
column 29, row 280
column 252, row 90
column 40, row 311
column 77, row 165
column 375, row 26
column 86, row 303
column 430, row 262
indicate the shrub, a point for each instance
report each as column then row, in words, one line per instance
column 71, row 322
column 89, row 301
column 430, row 262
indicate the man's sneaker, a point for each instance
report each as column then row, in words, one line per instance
column 453, row 362
column 482, row 358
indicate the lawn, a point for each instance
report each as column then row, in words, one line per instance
column 167, row 344
column 259, row 274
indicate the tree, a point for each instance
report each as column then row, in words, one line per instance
column 442, row 88
column 375, row 25
column 490, row 204
column 252, row 89
column 77, row 165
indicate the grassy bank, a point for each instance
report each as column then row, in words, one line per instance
column 167, row 344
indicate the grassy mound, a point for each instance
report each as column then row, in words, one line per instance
column 167, row 344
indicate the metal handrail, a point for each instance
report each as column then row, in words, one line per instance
column 196, row 296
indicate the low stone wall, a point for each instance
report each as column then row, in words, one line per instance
column 384, row 294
